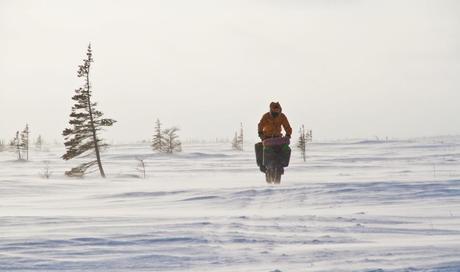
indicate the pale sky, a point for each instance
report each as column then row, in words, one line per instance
column 345, row 69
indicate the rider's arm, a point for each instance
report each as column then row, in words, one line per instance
column 286, row 126
column 261, row 126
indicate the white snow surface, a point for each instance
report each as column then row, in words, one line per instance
column 352, row 206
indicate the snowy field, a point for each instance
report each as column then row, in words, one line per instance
column 353, row 206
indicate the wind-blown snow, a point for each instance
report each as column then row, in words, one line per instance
column 353, row 206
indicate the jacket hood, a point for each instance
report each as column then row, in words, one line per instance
column 274, row 105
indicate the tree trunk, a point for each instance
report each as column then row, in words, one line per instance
column 27, row 142
column 96, row 146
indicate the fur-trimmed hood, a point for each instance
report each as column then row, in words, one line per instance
column 274, row 105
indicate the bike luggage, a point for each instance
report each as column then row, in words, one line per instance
column 277, row 155
column 259, row 148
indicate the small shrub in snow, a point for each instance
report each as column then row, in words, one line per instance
column 46, row 173
column 141, row 167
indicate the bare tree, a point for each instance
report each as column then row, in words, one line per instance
column 85, row 120
column 141, row 167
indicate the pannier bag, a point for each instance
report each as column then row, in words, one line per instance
column 259, row 147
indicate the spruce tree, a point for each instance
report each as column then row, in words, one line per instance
column 172, row 140
column 238, row 140
column 25, row 141
column 241, row 138
column 235, row 145
column 85, row 120
column 39, row 142
column 16, row 142
column 302, row 143
column 158, row 140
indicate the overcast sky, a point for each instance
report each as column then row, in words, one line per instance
column 345, row 69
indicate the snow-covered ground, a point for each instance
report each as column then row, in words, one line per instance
column 353, row 206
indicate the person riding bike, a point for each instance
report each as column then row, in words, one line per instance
column 271, row 122
column 273, row 153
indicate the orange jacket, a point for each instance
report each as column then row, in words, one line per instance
column 271, row 127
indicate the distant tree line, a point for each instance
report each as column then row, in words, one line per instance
column 19, row 144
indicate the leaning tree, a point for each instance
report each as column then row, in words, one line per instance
column 86, row 121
